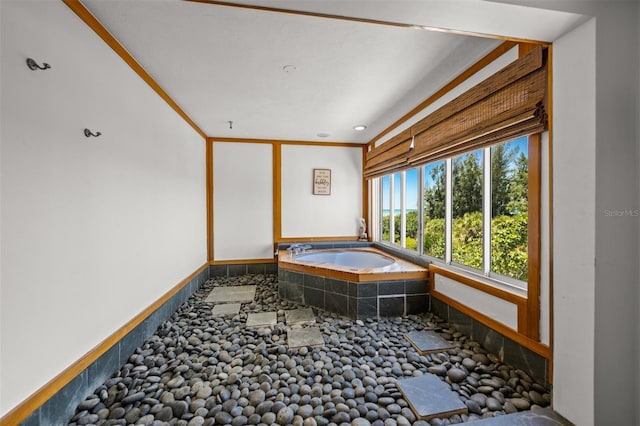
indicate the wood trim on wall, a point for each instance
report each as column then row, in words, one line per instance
column 42, row 395
column 209, row 200
column 520, row 301
column 533, row 237
column 550, row 201
column 537, row 347
column 459, row 79
column 508, row 296
column 277, row 191
column 316, row 239
column 83, row 13
column 287, row 142
column 361, row 20
column 242, row 261
column 365, row 195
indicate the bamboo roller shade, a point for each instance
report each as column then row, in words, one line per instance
column 507, row 105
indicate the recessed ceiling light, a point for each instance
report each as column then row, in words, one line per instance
column 323, row 135
column 359, row 127
column 289, row 68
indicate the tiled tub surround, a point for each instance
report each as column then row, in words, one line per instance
column 509, row 351
column 394, row 290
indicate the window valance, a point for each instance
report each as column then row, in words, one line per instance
column 507, row 105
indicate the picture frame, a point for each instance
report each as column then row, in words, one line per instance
column 321, row 181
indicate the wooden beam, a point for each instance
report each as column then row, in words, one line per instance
column 365, row 195
column 241, row 261
column 287, row 142
column 209, row 200
column 277, row 192
column 533, row 237
column 83, row 13
column 361, row 20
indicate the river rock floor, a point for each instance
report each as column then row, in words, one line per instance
column 203, row 370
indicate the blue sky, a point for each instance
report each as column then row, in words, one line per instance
column 412, row 193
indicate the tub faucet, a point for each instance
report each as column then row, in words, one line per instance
column 298, row 248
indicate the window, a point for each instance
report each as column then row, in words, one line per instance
column 509, row 209
column 411, row 209
column 467, row 191
column 474, row 211
column 398, row 198
column 434, row 176
column 386, row 208
column 401, row 225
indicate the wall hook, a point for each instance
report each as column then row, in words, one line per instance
column 34, row 65
column 230, row 124
column 88, row 133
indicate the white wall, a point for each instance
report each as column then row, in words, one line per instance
column 601, row 304
column 308, row 215
column 574, row 164
column 617, row 252
column 93, row 230
column 495, row 308
column 637, row 321
column 243, row 201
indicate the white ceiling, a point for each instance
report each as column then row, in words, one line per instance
column 221, row 63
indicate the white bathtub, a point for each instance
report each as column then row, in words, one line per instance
column 347, row 258
column 356, row 282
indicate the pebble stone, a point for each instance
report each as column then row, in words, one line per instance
column 200, row 370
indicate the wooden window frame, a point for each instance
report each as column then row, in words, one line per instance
column 529, row 303
column 413, row 148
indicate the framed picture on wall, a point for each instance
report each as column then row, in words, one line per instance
column 321, row 181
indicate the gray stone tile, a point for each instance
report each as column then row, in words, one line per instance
column 540, row 417
column 440, row 308
column 309, row 336
column 427, row 342
column 237, row 270
column 226, row 309
column 262, row 319
column 256, row 268
column 299, row 316
column 533, row 364
column 460, row 321
column 430, row 397
column 33, row 419
column 61, row 406
column 232, row 294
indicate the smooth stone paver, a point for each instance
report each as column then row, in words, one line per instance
column 262, row 319
column 539, row 417
column 309, row 336
column 427, row 342
column 430, row 397
column 299, row 316
column 226, row 309
column 231, row 294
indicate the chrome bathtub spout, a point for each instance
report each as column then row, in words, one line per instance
column 295, row 249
